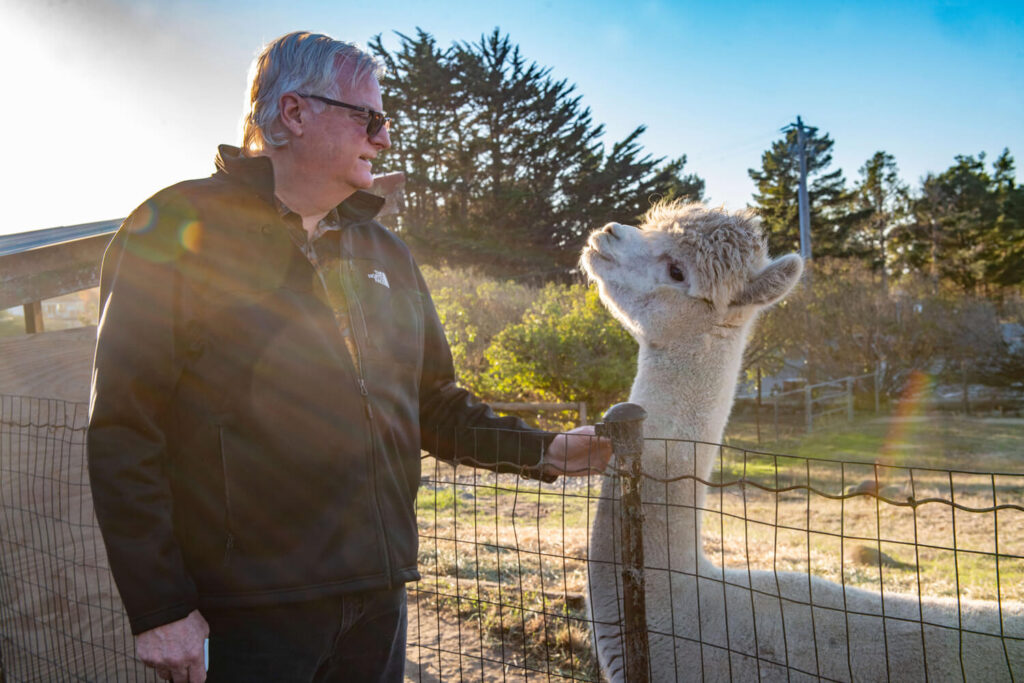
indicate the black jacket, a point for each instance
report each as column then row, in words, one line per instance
column 237, row 454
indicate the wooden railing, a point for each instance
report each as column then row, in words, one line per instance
column 42, row 264
column 580, row 408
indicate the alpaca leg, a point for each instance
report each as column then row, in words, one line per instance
column 604, row 586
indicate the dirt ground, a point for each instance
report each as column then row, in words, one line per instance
column 442, row 649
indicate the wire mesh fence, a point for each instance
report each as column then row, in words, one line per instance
column 741, row 560
column 60, row 615
column 837, row 570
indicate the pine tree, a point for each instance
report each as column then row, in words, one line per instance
column 952, row 215
column 1005, row 241
column 673, row 185
column 880, row 200
column 776, row 196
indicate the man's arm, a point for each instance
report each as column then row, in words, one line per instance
column 134, row 374
column 454, row 426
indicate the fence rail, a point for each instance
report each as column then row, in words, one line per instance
column 579, row 407
column 505, row 562
column 42, row 264
column 811, row 407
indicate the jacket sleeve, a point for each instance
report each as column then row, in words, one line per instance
column 455, row 426
column 134, row 374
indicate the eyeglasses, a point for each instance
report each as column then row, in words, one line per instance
column 376, row 121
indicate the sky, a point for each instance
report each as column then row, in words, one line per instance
column 107, row 101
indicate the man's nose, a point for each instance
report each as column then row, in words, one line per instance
column 382, row 138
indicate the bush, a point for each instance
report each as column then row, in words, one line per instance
column 473, row 309
column 566, row 348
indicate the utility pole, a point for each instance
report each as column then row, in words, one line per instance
column 802, row 133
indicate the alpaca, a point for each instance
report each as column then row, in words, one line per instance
column 688, row 286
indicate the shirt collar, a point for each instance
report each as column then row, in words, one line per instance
column 331, row 221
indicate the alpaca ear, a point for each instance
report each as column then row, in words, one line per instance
column 772, row 283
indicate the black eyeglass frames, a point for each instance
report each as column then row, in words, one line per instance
column 376, row 121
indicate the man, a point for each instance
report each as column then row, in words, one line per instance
column 268, row 367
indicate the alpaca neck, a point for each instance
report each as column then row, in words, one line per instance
column 687, row 389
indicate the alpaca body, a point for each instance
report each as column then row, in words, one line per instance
column 712, row 623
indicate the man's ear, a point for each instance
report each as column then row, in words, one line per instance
column 294, row 112
column 772, row 283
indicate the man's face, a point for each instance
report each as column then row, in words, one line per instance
column 338, row 147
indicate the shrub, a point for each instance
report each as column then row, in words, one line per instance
column 566, row 348
column 473, row 309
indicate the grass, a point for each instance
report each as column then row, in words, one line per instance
column 943, row 440
column 508, row 556
column 483, row 504
column 509, row 561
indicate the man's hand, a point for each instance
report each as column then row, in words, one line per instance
column 175, row 650
column 578, row 453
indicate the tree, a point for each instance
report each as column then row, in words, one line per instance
column 428, row 139
column 473, row 309
column 505, row 168
column 880, row 200
column 532, row 134
column 952, row 215
column 620, row 186
column 1004, row 243
column 776, row 196
column 674, row 185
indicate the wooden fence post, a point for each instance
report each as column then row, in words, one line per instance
column 878, row 377
column 849, row 399
column 775, row 403
column 808, row 409
column 33, row 317
column 624, row 425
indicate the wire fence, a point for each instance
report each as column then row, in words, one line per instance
column 60, row 614
column 510, row 564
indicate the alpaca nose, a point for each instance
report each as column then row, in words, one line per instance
column 610, row 230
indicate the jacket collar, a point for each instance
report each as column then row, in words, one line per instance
column 258, row 173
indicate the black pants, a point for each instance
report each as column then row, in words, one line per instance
column 358, row 637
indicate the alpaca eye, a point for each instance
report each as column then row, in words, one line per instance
column 675, row 273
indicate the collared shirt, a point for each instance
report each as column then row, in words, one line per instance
column 322, row 250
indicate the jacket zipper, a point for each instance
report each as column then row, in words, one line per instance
column 349, row 292
column 229, row 541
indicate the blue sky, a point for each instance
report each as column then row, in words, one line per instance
column 107, row 101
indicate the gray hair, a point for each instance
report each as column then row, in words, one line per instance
column 297, row 62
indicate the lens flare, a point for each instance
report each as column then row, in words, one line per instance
column 144, row 218
column 909, row 411
column 191, row 235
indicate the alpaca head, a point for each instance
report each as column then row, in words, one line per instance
column 687, row 271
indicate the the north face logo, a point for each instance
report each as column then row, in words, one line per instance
column 379, row 277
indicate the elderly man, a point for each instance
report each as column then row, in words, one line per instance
column 269, row 366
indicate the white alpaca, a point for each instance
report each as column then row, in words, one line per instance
column 688, row 286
